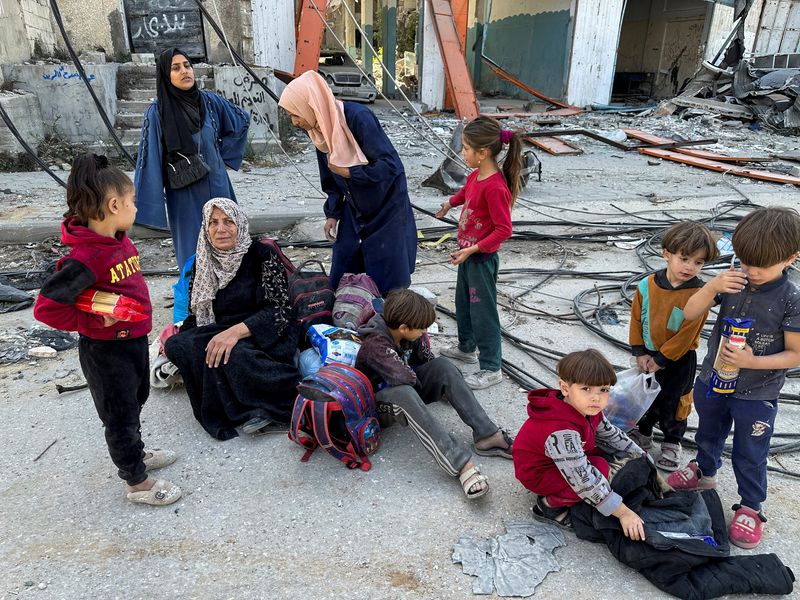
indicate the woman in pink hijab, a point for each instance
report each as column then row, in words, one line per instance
column 368, row 212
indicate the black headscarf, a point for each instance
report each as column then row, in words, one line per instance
column 181, row 111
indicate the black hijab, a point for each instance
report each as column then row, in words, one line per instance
column 181, row 111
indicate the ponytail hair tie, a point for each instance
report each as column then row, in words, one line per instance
column 506, row 135
column 100, row 161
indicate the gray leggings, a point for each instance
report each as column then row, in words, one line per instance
column 436, row 379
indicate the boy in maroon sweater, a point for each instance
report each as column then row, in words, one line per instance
column 558, row 453
column 113, row 353
column 397, row 358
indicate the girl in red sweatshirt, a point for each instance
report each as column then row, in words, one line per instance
column 485, row 223
column 113, row 353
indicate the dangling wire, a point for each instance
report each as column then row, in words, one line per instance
column 253, row 103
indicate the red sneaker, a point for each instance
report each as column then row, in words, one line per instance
column 747, row 527
column 688, row 478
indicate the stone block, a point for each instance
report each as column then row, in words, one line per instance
column 93, row 57
column 67, row 109
column 23, row 110
column 143, row 58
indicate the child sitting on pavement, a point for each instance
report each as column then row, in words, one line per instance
column 397, row 357
column 766, row 241
column 663, row 342
column 558, row 453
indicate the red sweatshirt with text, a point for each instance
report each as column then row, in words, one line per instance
column 486, row 217
column 102, row 263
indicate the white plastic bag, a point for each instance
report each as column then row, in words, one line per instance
column 630, row 397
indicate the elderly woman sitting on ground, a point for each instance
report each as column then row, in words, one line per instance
column 236, row 349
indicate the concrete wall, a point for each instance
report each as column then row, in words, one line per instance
column 234, row 18
column 101, row 27
column 528, row 38
column 23, row 109
column 664, row 37
column 237, row 86
column 67, row 108
column 14, row 45
column 36, row 15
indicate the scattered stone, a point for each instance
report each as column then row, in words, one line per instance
column 42, row 586
column 42, row 352
column 653, row 163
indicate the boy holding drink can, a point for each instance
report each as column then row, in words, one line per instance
column 739, row 382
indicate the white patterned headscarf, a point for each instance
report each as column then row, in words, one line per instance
column 214, row 269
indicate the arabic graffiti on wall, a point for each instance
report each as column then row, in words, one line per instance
column 158, row 24
column 245, row 94
column 62, row 73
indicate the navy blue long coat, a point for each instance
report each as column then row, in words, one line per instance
column 376, row 233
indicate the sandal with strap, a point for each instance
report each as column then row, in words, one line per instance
column 497, row 450
column 162, row 493
column 670, row 459
column 558, row 516
column 470, row 479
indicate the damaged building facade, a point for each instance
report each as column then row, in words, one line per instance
column 586, row 51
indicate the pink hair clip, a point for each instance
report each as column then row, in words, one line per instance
column 506, row 135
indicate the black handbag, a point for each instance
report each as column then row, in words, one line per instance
column 185, row 169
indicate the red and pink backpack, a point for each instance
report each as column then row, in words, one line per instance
column 335, row 409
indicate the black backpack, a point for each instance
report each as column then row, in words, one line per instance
column 311, row 295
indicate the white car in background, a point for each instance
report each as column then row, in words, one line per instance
column 343, row 77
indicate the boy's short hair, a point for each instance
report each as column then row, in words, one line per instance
column 688, row 237
column 588, row 367
column 767, row 236
column 404, row 307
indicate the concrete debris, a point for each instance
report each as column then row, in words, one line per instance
column 42, row 352
column 765, row 89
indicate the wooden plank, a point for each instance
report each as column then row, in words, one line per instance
column 649, row 138
column 455, row 65
column 721, row 167
column 553, row 145
column 500, row 72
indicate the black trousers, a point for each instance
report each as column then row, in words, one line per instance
column 677, row 380
column 117, row 372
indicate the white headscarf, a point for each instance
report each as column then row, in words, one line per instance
column 214, row 269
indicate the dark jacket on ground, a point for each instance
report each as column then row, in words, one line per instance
column 385, row 362
column 688, row 568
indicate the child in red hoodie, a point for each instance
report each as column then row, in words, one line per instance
column 558, row 453
column 113, row 353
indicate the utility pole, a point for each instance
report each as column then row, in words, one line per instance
column 389, row 34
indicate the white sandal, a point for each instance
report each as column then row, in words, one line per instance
column 469, row 479
column 159, row 459
column 162, row 493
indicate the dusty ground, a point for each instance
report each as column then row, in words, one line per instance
column 254, row 521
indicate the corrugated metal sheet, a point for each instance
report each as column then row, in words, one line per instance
column 779, row 28
column 594, row 49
